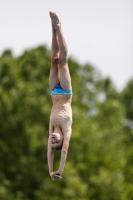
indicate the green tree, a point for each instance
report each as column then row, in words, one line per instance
column 127, row 100
column 99, row 162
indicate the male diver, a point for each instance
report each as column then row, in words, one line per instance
column 61, row 93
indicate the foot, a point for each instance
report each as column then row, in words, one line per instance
column 53, row 29
column 55, row 20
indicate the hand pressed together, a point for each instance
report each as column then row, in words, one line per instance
column 56, row 175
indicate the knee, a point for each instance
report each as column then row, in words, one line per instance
column 55, row 60
column 63, row 58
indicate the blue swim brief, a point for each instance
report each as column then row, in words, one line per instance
column 59, row 90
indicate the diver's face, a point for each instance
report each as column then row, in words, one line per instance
column 56, row 140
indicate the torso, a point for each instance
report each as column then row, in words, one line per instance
column 61, row 113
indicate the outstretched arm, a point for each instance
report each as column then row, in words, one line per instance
column 64, row 152
column 50, row 157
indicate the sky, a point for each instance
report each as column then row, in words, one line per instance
column 99, row 32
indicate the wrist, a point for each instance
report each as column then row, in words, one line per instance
column 60, row 171
column 50, row 173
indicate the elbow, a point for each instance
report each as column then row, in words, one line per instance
column 49, row 153
column 63, row 58
column 64, row 150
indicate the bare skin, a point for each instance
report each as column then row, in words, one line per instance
column 61, row 113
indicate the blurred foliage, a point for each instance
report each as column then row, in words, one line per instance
column 100, row 160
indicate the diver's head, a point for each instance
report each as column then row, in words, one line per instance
column 57, row 140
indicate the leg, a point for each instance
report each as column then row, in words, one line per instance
column 54, row 76
column 64, row 75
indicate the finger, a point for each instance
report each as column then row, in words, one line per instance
column 57, row 177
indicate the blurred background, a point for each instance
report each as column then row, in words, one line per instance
column 100, row 160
